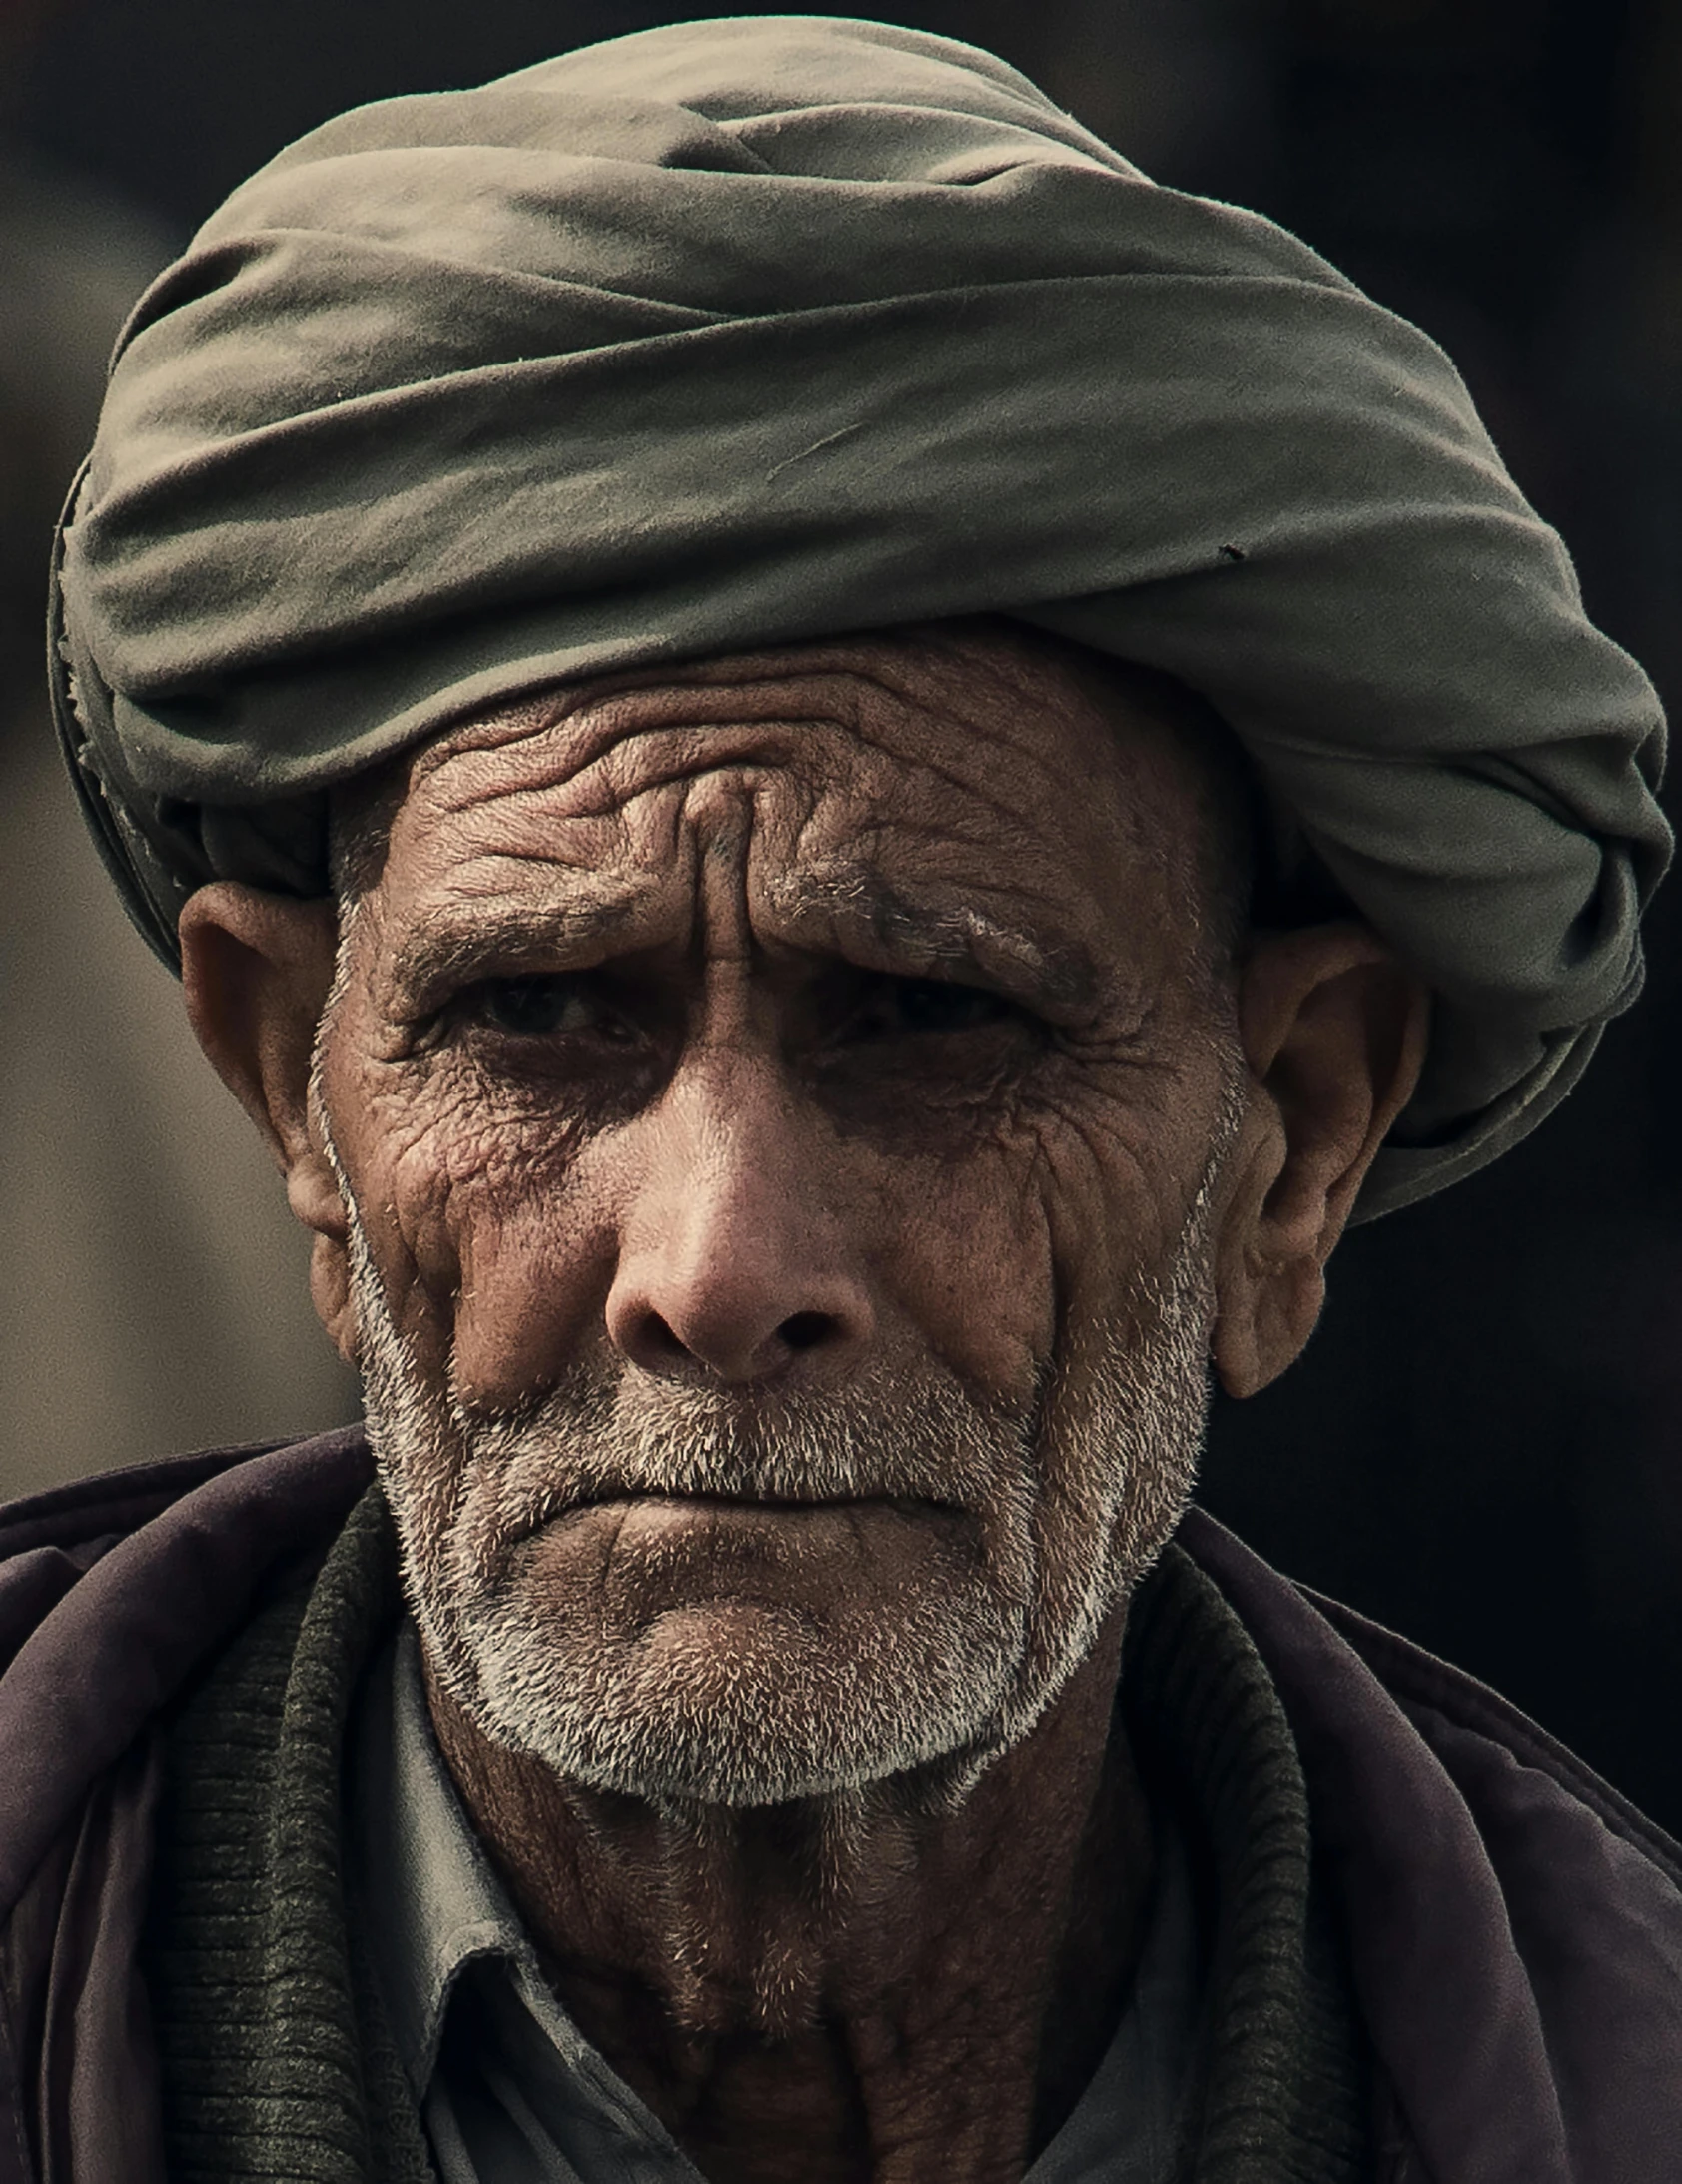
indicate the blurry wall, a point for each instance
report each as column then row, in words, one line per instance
column 1480, row 1446
column 152, row 1293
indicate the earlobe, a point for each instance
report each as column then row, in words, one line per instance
column 1267, row 1295
column 329, row 1292
column 1334, row 1033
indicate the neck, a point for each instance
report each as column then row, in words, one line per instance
column 902, row 1985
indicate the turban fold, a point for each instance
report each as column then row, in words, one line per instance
column 740, row 332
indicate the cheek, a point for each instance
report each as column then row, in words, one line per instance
column 1097, row 1174
column 490, row 1228
column 962, row 1247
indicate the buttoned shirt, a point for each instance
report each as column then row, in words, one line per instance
column 509, row 2088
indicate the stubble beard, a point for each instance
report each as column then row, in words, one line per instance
column 1077, row 1489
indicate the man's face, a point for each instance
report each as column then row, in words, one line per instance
column 779, row 1101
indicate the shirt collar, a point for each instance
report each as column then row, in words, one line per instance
column 434, row 1903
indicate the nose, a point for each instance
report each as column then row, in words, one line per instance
column 734, row 1263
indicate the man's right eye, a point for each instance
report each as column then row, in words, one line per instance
column 542, row 1007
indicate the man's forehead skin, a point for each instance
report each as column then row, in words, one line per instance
column 958, row 809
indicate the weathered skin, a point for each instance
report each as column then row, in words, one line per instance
column 728, row 1144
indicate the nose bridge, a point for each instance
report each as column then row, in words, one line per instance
column 735, row 1253
column 728, row 1140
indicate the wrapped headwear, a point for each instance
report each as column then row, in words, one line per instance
column 740, row 332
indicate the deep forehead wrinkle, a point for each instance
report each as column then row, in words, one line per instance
column 787, row 693
column 855, row 686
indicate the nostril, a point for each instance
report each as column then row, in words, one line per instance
column 661, row 1341
column 805, row 1331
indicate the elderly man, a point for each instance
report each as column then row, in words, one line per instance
column 836, row 781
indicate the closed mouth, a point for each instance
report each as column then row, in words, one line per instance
column 793, row 1505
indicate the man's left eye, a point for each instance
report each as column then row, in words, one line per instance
column 934, row 1005
column 541, row 1007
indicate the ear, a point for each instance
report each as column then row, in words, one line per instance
column 257, row 970
column 1335, row 1032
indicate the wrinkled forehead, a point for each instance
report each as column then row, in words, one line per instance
column 959, row 747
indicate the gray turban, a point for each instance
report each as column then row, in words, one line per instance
column 740, row 332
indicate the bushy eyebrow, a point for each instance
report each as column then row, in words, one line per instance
column 465, row 941
column 941, row 939
column 866, row 916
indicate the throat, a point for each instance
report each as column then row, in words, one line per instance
column 727, row 1921
column 905, row 1983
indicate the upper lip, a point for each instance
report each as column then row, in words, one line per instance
column 605, row 1496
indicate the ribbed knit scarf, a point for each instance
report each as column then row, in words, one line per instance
column 275, row 2058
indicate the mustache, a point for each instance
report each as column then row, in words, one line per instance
column 892, row 1434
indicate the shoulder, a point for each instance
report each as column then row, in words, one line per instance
column 114, row 1589
column 1514, row 1925
column 50, row 1539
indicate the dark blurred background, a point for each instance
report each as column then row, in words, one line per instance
column 1482, row 1444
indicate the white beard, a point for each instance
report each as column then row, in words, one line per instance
column 1076, row 1490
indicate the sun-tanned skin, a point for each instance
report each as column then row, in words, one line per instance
column 727, row 1142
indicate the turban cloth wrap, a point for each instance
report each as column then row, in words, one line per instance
column 740, row 332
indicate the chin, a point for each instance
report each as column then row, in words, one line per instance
column 736, row 1703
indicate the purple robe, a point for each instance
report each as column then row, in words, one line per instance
column 1514, row 1927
